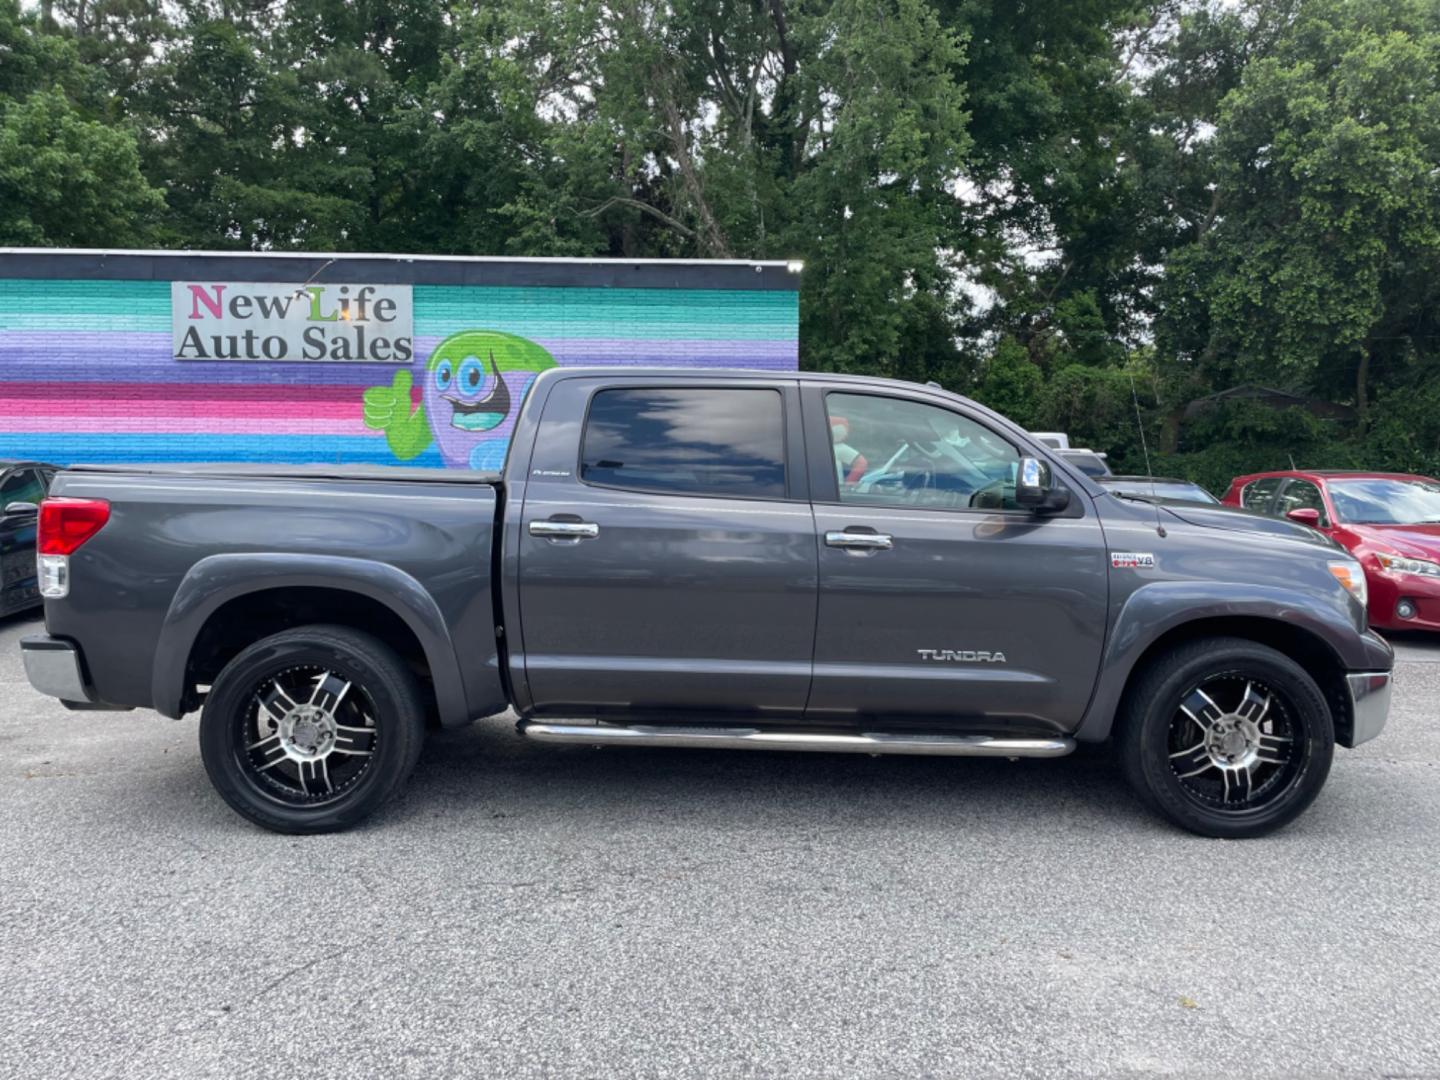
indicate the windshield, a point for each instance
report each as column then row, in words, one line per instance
column 1161, row 489
column 1386, row 502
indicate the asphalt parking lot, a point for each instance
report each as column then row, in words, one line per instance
column 532, row 911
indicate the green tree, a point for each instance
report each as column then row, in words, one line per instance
column 1012, row 384
column 831, row 132
column 1319, row 255
column 67, row 176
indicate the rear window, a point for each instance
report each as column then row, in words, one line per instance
column 689, row 441
column 1090, row 464
column 1258, row 493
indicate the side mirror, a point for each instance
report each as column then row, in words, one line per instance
column 21, row 509
column 1305, row 515
column 1035, row 488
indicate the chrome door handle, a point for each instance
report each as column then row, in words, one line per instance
column 565, row 530
column 867, row 541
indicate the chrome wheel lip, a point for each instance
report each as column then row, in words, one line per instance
column 1250, row 741
column 307, row 735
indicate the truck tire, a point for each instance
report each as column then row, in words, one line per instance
column 1226, row 737
column 311, row 729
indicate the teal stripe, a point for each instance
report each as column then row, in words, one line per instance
column 119, row 298
column 640, row 314
column 637, row 314
column 71, row 320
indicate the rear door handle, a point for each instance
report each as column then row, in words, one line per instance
column 565, row 530
column 863, row 541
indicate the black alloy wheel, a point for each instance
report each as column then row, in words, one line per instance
column 311, row 729
column 1226, row 737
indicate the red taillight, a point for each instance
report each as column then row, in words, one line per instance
column 65, row 524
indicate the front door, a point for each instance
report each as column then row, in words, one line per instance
column 672, row 569
column 942, row 602
column 19, row 586
column 1299, row 494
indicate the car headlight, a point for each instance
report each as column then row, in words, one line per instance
column 1399, row 564
column 1349, row 574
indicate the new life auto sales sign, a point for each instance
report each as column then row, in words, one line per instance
column 235, row 320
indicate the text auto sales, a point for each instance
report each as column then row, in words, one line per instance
column 317, row 323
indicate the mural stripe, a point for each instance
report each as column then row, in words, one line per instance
column 126, row 446
column 136, row 358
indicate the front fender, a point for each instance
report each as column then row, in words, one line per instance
column 218, row 579
column 1156, row 608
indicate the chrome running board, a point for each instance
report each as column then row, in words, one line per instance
column 744, row 738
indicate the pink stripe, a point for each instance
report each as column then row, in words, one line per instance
column 71, row 423
column 118, row 409
column 104, row 391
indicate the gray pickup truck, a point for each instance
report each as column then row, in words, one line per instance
column 710, row 559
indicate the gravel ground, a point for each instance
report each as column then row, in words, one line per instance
column 530, row 911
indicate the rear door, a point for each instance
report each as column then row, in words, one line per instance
column 1259, row 495
column 669, row 567
column 942, row 603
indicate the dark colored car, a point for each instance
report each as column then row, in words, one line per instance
column 22, row 485
column 1390, row 522
column 745, row 560
column 1160, row 488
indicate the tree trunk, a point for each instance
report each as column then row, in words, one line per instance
column 1362, row 380
column 1170, row 431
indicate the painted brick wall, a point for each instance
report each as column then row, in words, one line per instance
column 86, row 372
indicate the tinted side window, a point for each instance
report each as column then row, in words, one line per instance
column 23, row 485
column 1302, row 495
column 1257, row 494
column 907, row 453
column 699, row 441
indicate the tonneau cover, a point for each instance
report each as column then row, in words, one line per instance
column 242, row 471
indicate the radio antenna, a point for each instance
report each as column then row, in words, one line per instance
column 1145, row 449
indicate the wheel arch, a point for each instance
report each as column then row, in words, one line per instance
column 226, row 602
column 1150, row 626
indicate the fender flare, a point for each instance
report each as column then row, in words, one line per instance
column 1159, row 607
column 218, row 579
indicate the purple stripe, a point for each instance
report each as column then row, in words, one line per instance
column 136, row 356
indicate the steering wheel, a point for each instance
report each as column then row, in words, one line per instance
column 989, row 497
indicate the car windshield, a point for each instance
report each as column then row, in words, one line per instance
column 1386, row 501
column 1161, row 489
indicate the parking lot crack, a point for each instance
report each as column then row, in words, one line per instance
column 230, row 1010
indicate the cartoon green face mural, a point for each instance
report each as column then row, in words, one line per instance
column 474, row 383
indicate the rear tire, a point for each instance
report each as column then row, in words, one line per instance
column 1226, row 737
column 310, row 730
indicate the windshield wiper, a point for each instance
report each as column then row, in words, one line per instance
column 1136, row 498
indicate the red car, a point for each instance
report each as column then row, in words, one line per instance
column 1389, row 521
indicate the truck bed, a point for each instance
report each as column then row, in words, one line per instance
column 172, row 577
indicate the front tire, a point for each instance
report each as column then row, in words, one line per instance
column 311, row 729
column 1226, row 737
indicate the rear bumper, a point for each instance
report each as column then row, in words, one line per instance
column 53, row 667
column 1369, row 706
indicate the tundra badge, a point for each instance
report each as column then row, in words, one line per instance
column 962, row 656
